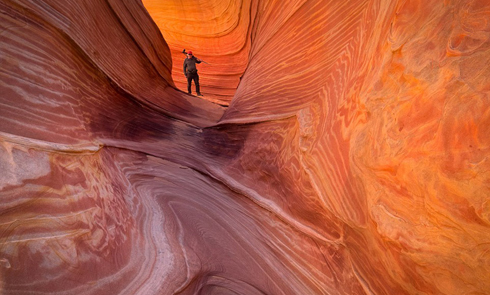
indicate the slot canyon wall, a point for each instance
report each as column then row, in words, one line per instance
column 348, row 153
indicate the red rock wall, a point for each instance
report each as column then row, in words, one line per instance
column 352, row 159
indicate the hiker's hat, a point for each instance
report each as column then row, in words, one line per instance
column 189, row 52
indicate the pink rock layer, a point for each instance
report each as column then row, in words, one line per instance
column 353, row 157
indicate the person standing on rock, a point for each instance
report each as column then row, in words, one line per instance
column 190, row 71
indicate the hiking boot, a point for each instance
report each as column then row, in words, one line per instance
column 200, row 94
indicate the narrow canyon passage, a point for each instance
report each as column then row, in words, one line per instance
column 341, row 147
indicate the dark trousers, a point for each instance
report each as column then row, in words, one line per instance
column 195, row 77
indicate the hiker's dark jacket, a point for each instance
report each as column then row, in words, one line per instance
column 190, row 65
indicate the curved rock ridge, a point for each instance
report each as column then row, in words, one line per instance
column 352, row 159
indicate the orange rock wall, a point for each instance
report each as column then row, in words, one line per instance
column 352, row 159
column 217, row 32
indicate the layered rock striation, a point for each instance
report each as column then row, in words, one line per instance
column 352, row 158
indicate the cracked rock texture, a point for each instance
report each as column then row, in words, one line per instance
column 352, row 158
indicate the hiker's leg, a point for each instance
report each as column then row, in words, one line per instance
column 189, row 83
column 196, row 81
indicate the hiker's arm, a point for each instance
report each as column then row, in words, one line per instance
column 185, row 66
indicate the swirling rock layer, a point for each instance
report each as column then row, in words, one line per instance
column 352, row 159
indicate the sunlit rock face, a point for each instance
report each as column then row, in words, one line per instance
column 352, row 159
column 218, row 32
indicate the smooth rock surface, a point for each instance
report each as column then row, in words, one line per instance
column 353, row 157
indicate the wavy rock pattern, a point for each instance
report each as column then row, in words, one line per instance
column 352, row 159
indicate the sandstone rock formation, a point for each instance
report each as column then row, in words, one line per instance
column 352, row 158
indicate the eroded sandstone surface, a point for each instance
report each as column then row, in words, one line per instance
column 353, row 157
